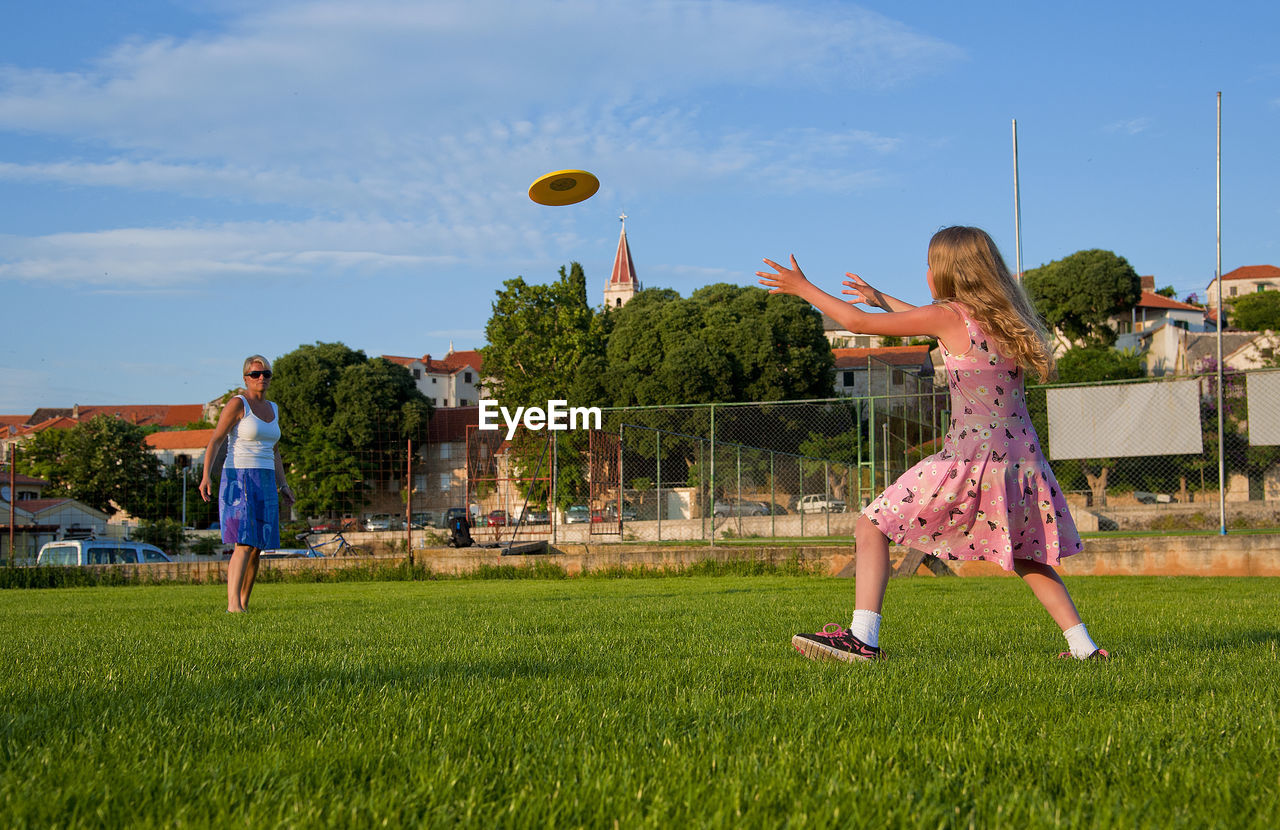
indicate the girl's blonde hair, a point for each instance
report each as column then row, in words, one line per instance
column 968, row 269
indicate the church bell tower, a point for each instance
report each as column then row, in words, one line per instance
column 623, row 284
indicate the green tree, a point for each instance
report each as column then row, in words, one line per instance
column 103, row 463
column 1098, row 364
column 343, row 418
column 538, row 337
column 1257, row 312
column 545, row 343
column 725, row 343
column 1077, row 294
column 303, row 385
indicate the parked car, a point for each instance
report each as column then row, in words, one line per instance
column 819, row 503
column 381, row 521
column 735, row 507
column 424, row 519
column 628, row 511
column 99, row 552
column 535, row 516
column 456, row 513
column 496, row 518
column 577, row 514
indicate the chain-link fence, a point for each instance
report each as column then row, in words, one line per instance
column 1136, row 455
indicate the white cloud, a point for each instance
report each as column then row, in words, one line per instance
column 1130, row 126
column 162, row 257
column 411, row 130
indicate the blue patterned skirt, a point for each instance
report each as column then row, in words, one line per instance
column 248, row 509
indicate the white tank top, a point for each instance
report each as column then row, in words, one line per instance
column 251, row 442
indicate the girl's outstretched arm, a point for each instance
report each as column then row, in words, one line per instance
column 862, row 292
column 927, row 321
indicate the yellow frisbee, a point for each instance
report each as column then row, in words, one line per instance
column 564, row 187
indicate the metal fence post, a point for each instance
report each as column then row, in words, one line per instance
column 712, row 494
column 659, row 483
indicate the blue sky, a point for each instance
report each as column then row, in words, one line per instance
column 185, row 183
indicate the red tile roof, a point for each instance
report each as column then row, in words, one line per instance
column 1253, row 272
column 894, row 355
column 59, row 422
column 1152, row 300
column 448, row 365
column 450, row 425
column 460, row 360
column 19, row 478
column 34, row 506
column 182, row 439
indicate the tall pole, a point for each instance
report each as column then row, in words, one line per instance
column 13, row 496
column 1222, row 461
column 408, row 507
column 1017, row 205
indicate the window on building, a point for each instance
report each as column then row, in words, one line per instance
column 464, row 402
column 466, row 376
column 848, row 379
column 420, row 482
column 445, row 451
column 433, row 380
column 862, row 342
column 1233, row 291
column 1261, row 288
column 417, row 374
column 446, row 481
column 1267, row 353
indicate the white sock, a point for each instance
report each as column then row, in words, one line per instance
column 1081, row 643
column 866, row 627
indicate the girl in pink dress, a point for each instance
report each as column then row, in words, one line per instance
column 989, row 493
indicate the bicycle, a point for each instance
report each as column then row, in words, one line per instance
column 344, row 548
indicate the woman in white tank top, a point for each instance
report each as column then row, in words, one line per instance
column 248, row 508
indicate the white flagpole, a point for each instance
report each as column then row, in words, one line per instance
column 1222, row 462
column 1017, row 206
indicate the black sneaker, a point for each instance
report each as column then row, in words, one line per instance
column 834, row 643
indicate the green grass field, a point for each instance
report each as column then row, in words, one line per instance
column 663, row 702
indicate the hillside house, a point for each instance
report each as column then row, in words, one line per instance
column 889, row 370
column 1247, row 279
column 448, row 382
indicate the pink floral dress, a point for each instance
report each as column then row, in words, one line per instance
column 989, row 494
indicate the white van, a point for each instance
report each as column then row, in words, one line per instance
column 99, row 552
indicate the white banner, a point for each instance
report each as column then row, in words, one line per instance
column 1129, row 419
column 1263, row 389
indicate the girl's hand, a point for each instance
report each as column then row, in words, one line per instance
column 786, row 281
column 206, row 488
column 861, row 292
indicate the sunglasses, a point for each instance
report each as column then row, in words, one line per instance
column 259, row 373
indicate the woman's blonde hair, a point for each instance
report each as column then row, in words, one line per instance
column 968, row 269
column 255, row 358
